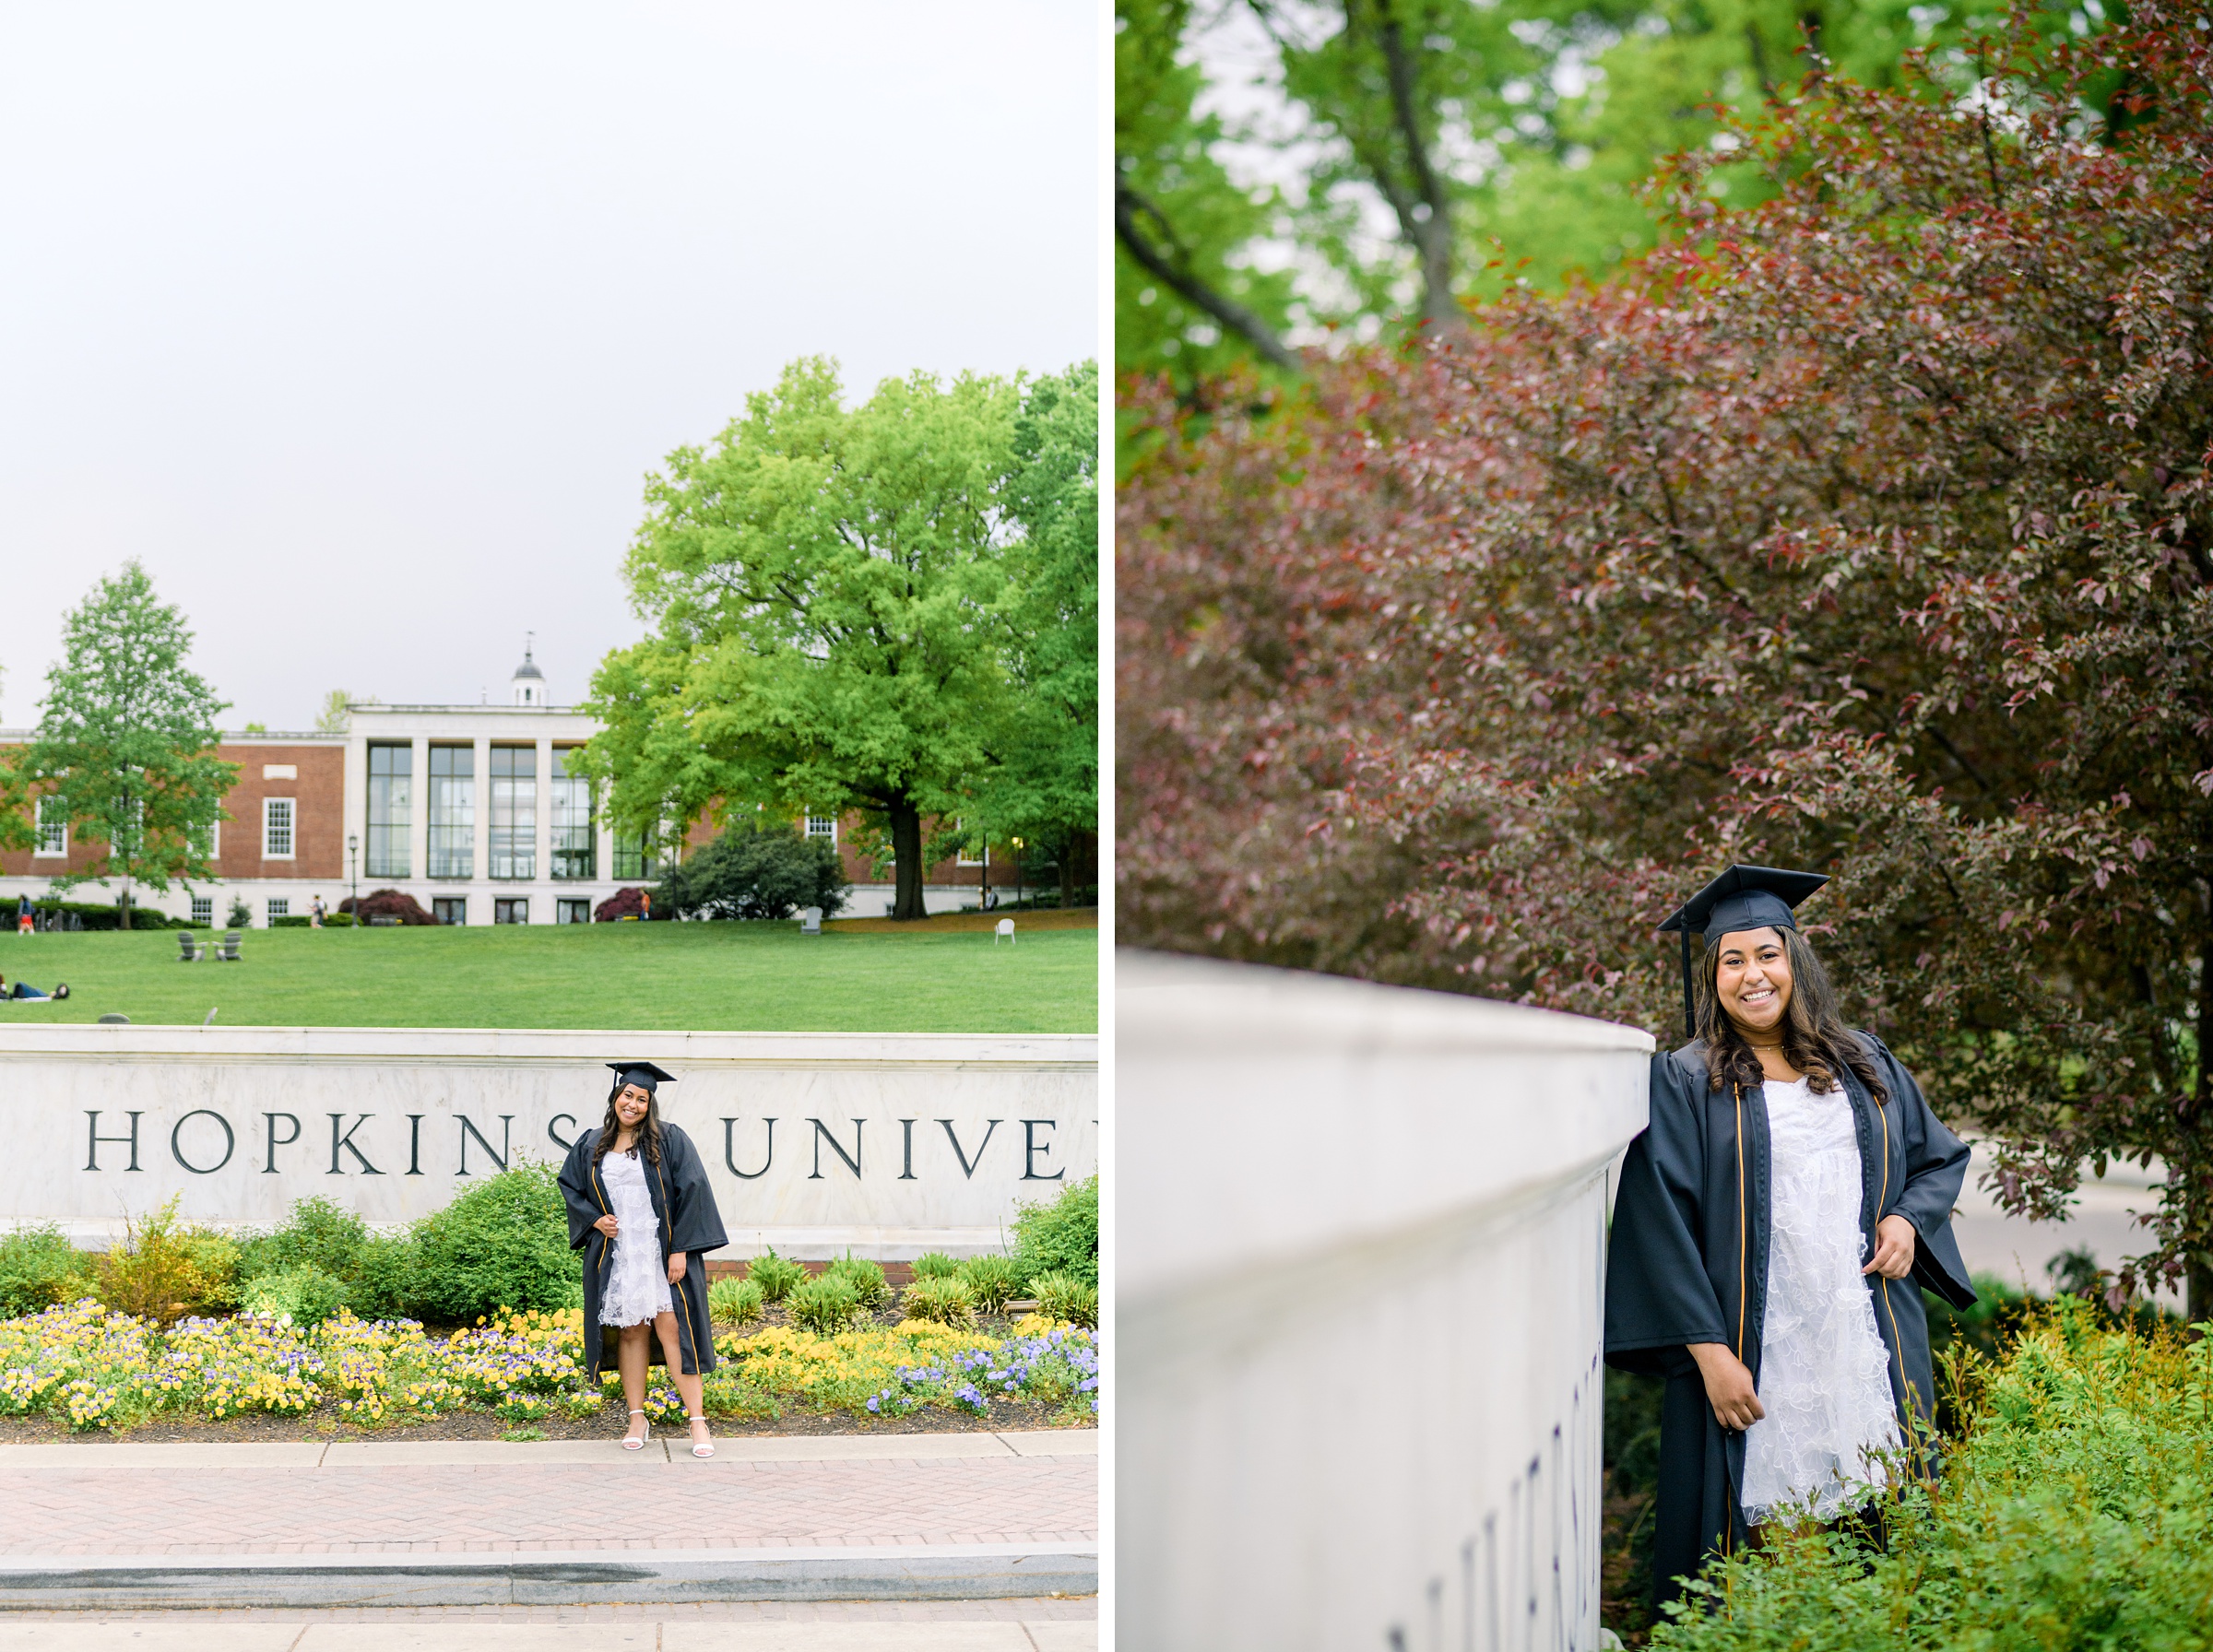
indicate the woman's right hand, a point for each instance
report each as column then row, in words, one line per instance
column 1728, row 1385
column 606, row 1224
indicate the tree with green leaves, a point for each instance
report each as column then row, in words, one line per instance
column 1043, row 782
column 825, row 584
column 124, row 745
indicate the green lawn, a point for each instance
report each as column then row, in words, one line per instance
column 738, row 977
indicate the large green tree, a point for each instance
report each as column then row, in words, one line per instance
column 1043, row 782
column 824, row 583
column 125, row 738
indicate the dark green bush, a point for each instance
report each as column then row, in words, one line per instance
column 825, row 1304
column 992, row 1282
column 1063, row 1236
column 38, row 1267
column 756, row 872
column 388, row 1284
column 503, row 1244
column 775, row 1275
column 871, row 1289
column 317, row 1234
column 108, row 917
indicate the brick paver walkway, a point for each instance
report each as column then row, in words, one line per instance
column 61, row 1509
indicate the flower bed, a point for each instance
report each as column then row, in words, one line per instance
column 88, row 1368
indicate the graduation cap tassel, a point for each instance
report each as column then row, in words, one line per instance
column 1690, row 1026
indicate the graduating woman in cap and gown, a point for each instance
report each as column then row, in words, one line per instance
column 1775, row 1226
column 641, row 1210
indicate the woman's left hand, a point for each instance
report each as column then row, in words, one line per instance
column 677, row 1263
column 1894, row 1243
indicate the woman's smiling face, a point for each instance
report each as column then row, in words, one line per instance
column 1752, row 977
column 631, row 1105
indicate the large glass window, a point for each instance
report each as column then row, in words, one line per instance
column 53, row 828
column 823, row 826
column 639, row 855
column 277, row 828
column 391, row 809
column 513, row 823
column 453, row 812
column 575, row 845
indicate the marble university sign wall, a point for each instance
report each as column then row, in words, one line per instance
column 1359, row 1251
column 887, row 1145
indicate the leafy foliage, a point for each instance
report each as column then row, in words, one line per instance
column 38, row 1268
column 993, row 1282
column 503, row 1246
column 303, row 1291
column 1063, row 1236
column 2072, row 1515
column 387, row 903
column 163, row 1269
column 934, row 1265
column 1064, row 1297
column 825, row 1305
column 752, row 872
column 734, row 1302
column 871, row 1288
column 1866, row 530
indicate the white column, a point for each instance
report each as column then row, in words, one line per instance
column 543, row 887
column 419, row 807
column 481, row 870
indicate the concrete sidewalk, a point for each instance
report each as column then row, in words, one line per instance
column 370, row 1524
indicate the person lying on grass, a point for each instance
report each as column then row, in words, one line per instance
column 641, row 1210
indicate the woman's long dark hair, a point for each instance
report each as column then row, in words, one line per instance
column 1815, row 1038
column 648, row 1139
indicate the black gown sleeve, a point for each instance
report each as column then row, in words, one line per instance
column 1935, row 1169
column 1658, row 1296
column 576, row 1190
column 695, row 1224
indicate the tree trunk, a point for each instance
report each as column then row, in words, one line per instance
column 906, row 861
column 2187, row 1167
column 126, row 903
column 1068, row 871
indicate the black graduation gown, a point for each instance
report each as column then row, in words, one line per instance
column 1687, row 1262
column 689, row 1222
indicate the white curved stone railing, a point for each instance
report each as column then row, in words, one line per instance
column 1359, row 1241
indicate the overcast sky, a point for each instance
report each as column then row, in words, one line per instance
column 359, row 326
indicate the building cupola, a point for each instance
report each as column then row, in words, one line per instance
column 528, row 685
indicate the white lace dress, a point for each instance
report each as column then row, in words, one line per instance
column 1824, row 1375
column 637, row 1283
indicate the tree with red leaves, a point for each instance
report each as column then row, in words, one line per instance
column 1867, row 530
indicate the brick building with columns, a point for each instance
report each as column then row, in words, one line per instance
column 469, row 808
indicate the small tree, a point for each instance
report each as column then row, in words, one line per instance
column 124, row 739
column 333, row 718
column 757, row 872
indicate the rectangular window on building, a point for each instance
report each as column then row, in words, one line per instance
column 211, row 842
column 576, row 841
column 276, row 829
column 450, row 909
column 279, row 907
column 203, row 909
column 53, row 830
column 453, row 812
column 824, row 826
column 638, row 856
column 516, row 911
column 391, row 809
column 513, row 823
column 571, row 911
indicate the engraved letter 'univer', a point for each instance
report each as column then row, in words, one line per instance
column 730, row 1156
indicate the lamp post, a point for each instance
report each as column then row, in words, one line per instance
column 353, row 844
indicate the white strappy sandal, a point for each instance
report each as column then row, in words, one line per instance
column 638, row 1444
column 698, row 1449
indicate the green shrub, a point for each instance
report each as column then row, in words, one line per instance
column 387, row 1283
column 316, row 1234
column 2073, row 1514
column 756, row 872
column 163, row 1271
column 935, row 1265
column 734, row 1302
column 871, row 1288
column 503, row 1244
column 305, row 1292
column 947, row 1300
column 38, row 1268
column 825, row 1304
column 1063, row 1296
column 992, row 1282
column 775, row 1275
column 1061, row 1237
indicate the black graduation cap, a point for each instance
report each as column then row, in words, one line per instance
column 644, row 1074
column 1741, row 898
